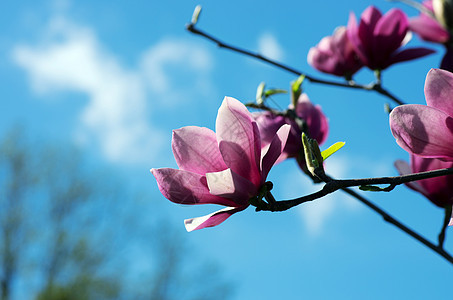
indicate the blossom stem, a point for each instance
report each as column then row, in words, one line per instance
column 349, row 84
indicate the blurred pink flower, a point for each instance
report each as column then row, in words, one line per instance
column 427, row 130
column 335, row 55
column 439, row 190
column 427, row 27
column 315, row 121
column 431, row 30
column 378, row 38
column 226, row 167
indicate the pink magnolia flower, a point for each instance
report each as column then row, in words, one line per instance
column 439, row 190
column 427, row 130
column 431, row 30
column 226, row 167
column 427, row 27
column 315, row 121
column 335, row 55
column 377, row 38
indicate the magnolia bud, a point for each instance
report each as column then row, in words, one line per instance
column 313, row 157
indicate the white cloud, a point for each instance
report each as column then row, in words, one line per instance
column 116, row 118
column 269, row 47
column 172, row 52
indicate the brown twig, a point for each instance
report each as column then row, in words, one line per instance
column 350, row 84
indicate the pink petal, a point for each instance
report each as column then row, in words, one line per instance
column 335, row 55
column 275, row 149
column 317, row 122
column 439, row 90
column 228, row 184
column 389, row 32
column 368, row 22
column 438, row 189
column 428, row 29
column 423, row 130
column 268, row 125
column 324, row 62
column 354, row 38
column 404, row 169
column 408, row 54
column 211, row 219
column 196, row 150
column 239, row 139
column 185, row 187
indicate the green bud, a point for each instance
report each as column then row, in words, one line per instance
column 196, row 14
column 260, row 93
column 296, row 89
column 313, row 157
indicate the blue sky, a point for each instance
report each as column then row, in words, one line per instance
column 115, row 78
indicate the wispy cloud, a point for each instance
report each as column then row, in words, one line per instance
column 269, row 47
column 116, row 118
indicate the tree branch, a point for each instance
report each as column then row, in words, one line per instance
column 333, row 185
column 337, row 184
column 350, row 84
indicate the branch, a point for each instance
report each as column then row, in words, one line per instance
column 336, row 184
column 350, row 84
column 388, row 218
column 333, row 185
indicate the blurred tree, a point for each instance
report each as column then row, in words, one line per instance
column 48, row 222
column 65, row 235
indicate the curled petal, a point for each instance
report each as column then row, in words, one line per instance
column 239, row 140
column 183, row 187
column 196, row 150
column 423, row 130
column 438, row 90
column 275, row 149
column 212, row 219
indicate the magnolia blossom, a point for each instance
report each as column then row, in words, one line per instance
column 226, row 167
column 427, row 130
column 315, row 121
column 431, row 29
column 439, row 190
column 377, row 38
column 335, row 55
column 428, row 27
